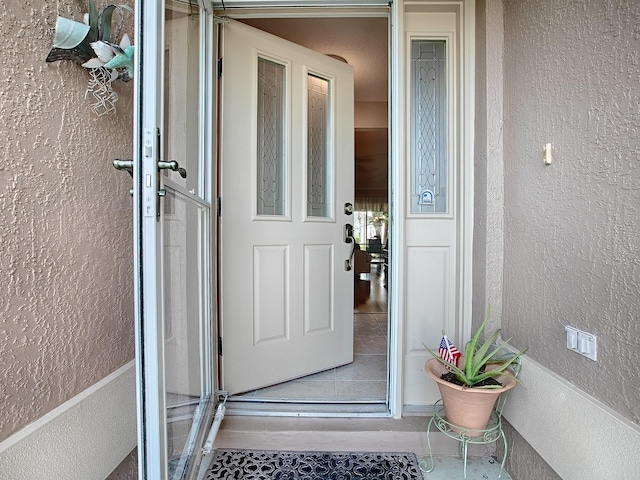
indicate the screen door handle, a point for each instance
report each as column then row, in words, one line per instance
column 120, row 164
column 172, row 165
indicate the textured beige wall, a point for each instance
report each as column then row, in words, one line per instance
column 66, row 314
column 523, row 463
column 572, row 229
column 571, row 76
column 488, row 229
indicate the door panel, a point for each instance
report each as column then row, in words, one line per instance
column 432, row 229
column 287, row 306
column 270, row 280
column 318, row 288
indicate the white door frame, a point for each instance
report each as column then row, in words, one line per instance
column 397, row 151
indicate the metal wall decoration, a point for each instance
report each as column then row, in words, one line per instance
column 92, row 44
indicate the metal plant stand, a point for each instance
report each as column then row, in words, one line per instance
column 490, row 434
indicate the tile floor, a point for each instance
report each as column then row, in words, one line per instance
column 364, row 380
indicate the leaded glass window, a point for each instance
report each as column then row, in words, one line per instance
column 318, row 164
column 271, row 153
column 429, row 153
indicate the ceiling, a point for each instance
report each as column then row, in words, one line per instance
column 363, row 43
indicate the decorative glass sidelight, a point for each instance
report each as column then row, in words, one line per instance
column 318, row 165
column 429, row 152
column 271, row 154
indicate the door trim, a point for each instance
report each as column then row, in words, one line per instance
column 334, row 9
column 395, row 11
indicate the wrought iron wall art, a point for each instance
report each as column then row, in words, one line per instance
column 92, row 44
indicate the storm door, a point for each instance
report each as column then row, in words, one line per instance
column 173, row 231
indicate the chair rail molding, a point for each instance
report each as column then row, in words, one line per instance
column 556, row 417
column 85, row 437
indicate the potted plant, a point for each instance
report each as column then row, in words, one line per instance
column 469, row 392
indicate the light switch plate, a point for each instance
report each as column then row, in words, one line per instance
column 584, row 343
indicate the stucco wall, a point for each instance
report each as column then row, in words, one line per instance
column 572, row 229
column 523, row 463
column 65, row 223
column 488, row 228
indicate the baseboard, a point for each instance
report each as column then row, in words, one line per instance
column 578, row 436
column 85, row 438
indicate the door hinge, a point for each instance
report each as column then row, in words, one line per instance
column 220, row 68
column 219, row 206
column 219, row 346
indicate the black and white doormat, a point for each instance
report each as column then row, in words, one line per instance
column 266, row 465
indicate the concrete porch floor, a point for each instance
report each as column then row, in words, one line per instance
column 359, row 434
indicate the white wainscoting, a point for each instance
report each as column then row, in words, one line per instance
column 578, row 436
column 85, row 438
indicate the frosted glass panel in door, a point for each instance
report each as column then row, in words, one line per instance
column 318, row 165
column 270, row 136
column 429, row 153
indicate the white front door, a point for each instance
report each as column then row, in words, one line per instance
column 172, row 223
column 286, row 175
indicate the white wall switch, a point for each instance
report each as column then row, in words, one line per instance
column 572, row 337
column 584, row 343
column 587, row 345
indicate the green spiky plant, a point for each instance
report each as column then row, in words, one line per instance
column 478, row 357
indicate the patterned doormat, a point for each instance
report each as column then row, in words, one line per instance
column 268, row 464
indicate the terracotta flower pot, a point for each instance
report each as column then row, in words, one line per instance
column 468, row 408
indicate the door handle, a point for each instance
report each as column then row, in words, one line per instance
column 348, row 233
column 172, row 165
column 127, row 165
column 348, row 238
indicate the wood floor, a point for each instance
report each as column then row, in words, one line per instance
column 364, row 380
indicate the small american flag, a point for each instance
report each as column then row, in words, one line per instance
column 448, row 351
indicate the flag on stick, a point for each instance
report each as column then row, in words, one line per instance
column 448, row 351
